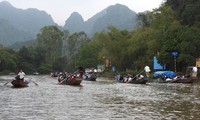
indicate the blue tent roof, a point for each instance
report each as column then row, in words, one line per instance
column 164, row 74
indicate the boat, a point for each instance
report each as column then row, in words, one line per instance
column 90, row 77
column 170, row 77
column 19, row 83
column 54, row 74
column 185, row 80
column 71, row 79
column 143, row 80
column 138, row 79
column 75, row 81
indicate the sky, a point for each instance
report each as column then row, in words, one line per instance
column 60, row 10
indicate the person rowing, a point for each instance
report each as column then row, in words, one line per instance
column 20, row 75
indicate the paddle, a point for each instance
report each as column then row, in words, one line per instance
column 67, row 77
column 64, row 79
column 8, row 81
column 33, row 82
column 137, row 74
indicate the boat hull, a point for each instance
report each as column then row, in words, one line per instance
column 19, row 83
column 137, row 81
column 186, row 80
column 75, row 82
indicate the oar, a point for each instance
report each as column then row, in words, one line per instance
column 61, row 82
column 67, row 77
column 33, row 82
column 8, row 82
column 138, row 74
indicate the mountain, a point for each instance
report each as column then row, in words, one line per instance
column 117, row 15
column 75, row 23
column 18, row 25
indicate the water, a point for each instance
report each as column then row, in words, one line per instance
column 101, row 100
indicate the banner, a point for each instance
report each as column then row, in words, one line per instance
column 198, row 62
column 156, row 65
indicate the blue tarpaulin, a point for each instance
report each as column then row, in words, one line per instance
column 164, row 74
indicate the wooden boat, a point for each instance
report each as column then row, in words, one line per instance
column 72, row 79
column 54, row 74
column 76, row 81
column 185, row 80
column 19, row 83
column 90, row 78
column 180, row 80
column 137, row 81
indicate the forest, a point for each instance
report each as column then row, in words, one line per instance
column 173, row 27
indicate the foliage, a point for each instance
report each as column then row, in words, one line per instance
column 50, row 41
column 88, row 57
column 74, row 43
column 187, row 11
column 7, row 60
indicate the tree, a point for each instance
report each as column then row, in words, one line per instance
column 88, row 56
column 7, row 60
column 50, row 41
column 74, row 43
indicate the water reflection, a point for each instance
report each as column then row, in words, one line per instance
column 101, row 100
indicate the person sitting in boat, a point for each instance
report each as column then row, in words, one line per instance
column 60, row 77
column 130, row 78
column 81, row 71
column 141, row 76
column 147, row 70
column 71, row 77
column 117, row 76
column 125, row 79
column 20, row 75
column 194, row 71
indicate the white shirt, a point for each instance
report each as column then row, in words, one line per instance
column 194, row 69
column 21, row 75
column 147, row 69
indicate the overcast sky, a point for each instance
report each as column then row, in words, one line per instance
column 60, row 10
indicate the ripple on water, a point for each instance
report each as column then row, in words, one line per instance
column 101, row 100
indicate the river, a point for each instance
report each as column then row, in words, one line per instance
column 104, row 99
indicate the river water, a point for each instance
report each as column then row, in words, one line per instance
column 104, row 99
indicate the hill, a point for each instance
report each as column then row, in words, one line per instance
column 18, row 25
column 117, row 15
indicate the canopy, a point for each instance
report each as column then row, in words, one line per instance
column 164, row 74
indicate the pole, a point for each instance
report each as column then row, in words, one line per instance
column 175, row 63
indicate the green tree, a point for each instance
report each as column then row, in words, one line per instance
column 49, row 40
column 25, row 60
column 74, row 43
column 88, row 56
column 114, row 46
column 7, row 60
